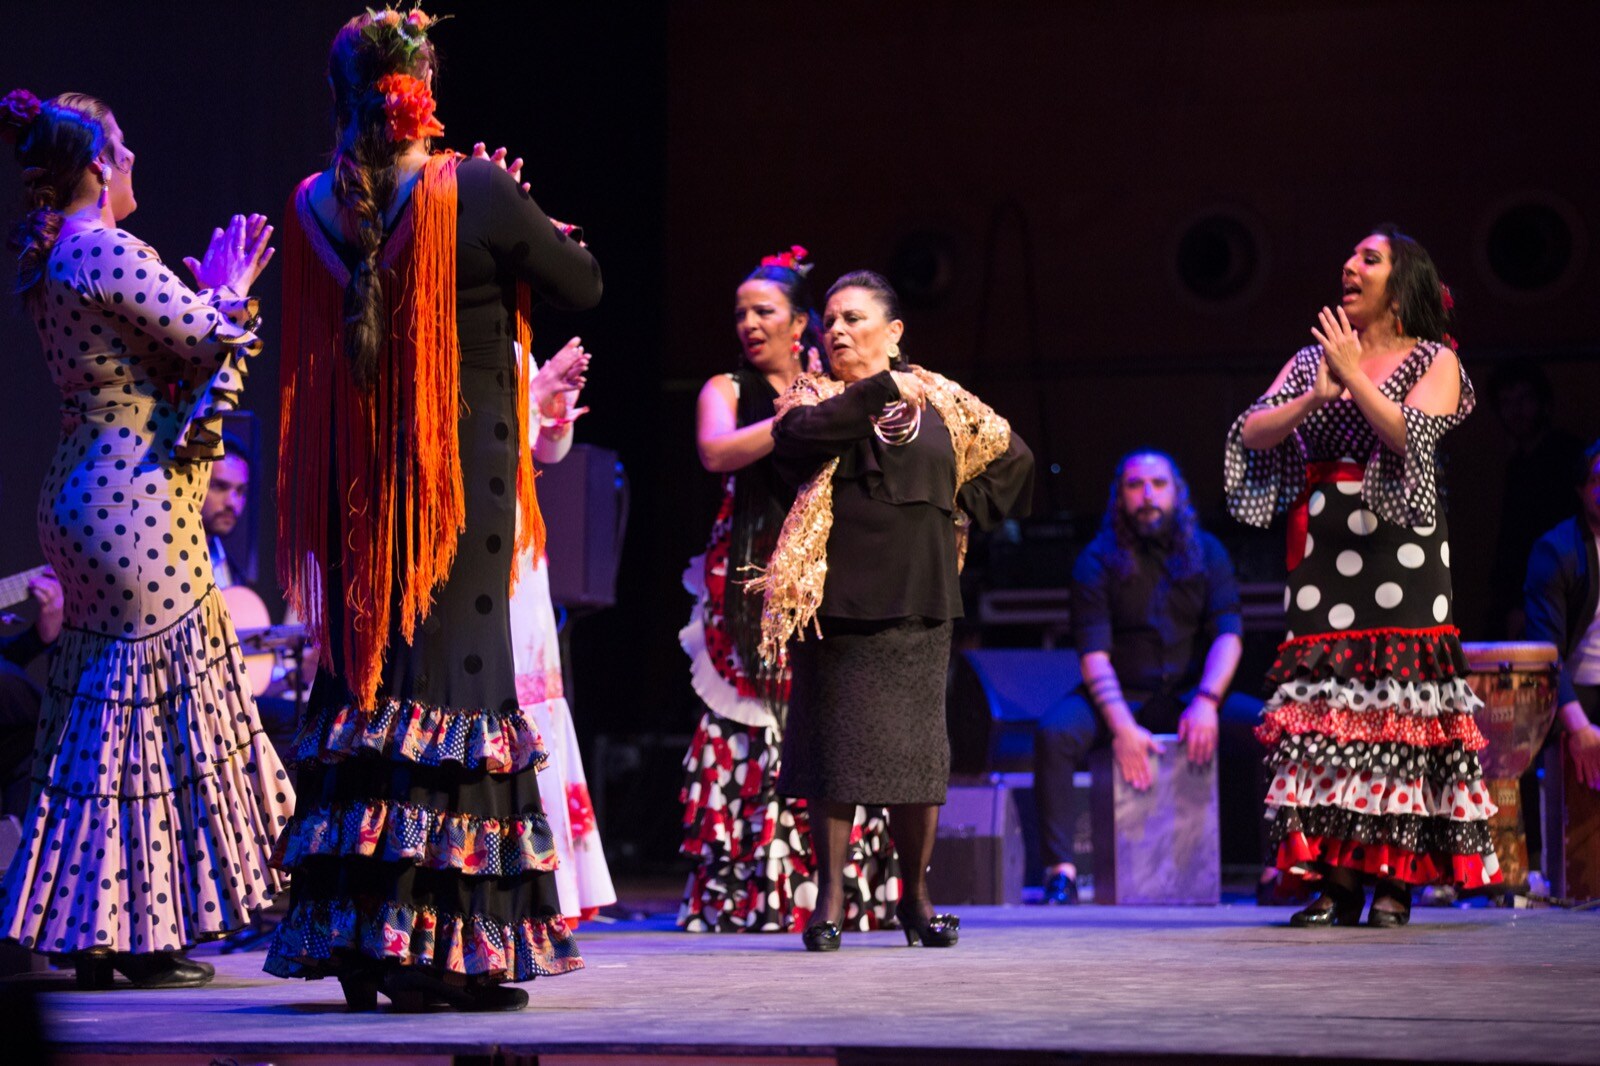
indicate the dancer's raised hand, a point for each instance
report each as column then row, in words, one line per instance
column 235, row 257
column 498, row 158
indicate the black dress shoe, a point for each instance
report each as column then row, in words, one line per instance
column 937, row 931
column 414, row 989
column 821, row 936
column 1387, row 918
column 162, row 969
column 1061, row 888
column 1335, row 906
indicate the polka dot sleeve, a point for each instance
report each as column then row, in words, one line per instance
column 209, row 333
column 1404, row 489
column 1263, row 483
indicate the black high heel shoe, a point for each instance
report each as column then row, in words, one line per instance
column 821, row 936
column 938, row 931
column 360, row 989
column 1336, row 905
column 162, row 969
column 412, row 990
column 1383, row 917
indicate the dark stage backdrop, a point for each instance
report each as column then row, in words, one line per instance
column 1114, row 222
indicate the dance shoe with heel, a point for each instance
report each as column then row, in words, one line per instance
column 1390, row 917
column 361, row 989
column 1337, row 905
column 935, row 931
column 414, row 990
column 149, row 969
column 822, row 936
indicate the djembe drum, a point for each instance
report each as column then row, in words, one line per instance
column 1517, row 683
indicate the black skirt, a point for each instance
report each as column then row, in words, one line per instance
column 866, row 713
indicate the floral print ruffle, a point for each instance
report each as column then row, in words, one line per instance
column 498, row 742
column 314, row 935
column 438, row 840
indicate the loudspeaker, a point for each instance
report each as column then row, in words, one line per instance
column 584, row 499
column 978, row 856
column 995, row 700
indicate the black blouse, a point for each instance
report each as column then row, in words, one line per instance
column 892, row 550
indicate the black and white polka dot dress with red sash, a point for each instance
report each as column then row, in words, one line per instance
column 1369, row 718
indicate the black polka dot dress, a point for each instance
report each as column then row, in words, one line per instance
column 420, row 837
column 1369, row 722
column 156, row 795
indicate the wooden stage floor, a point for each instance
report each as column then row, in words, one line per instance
column 1026, row 984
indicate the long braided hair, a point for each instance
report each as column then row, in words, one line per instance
column 56, row 148
column 365, row 176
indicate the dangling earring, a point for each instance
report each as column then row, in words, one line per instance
column 794, row 349
column 105, row 185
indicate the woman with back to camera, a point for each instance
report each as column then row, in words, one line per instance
column 1369, row 724
column 752, row 847
column 421, row 855
column 156, row 796
column 894, row 463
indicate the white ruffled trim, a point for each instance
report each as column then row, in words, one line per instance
column 1365, row 792
column 713, row 689
column 1454, row 696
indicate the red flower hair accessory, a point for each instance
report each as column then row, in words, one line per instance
column 790, row 260
column 408, row 103
column 1446, row 297
column 18, row 109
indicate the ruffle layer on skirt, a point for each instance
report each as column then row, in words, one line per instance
column 754, row 869
column 499, row 742
column 1390, row 658
column 1418, row 851
column 436, row 840
column 1374, row 752
column 156, row 795
column 314, row 936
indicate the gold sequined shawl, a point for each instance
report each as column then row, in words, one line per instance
column 794, row 578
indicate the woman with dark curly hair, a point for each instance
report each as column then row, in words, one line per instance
column 421, row 854
column 1370, row 719
column 156, row 795
column 753, row 861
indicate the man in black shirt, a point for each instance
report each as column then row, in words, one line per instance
column 1155, row 614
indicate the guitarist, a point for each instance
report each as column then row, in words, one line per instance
column 225, row 502
column 19, row 696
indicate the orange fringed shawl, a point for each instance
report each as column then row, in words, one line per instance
column 387, row 462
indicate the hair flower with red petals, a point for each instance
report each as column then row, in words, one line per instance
column 18, row 109
column 790, row 260
column 408, row 103
column 1446, row 297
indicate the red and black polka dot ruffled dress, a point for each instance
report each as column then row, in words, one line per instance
column 1369, row 721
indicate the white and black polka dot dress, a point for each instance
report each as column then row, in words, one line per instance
column 156, row 796
column 1369, row 720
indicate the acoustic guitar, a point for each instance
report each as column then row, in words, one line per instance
column 249, row 613
column 14, row 589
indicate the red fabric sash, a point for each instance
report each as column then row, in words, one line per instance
column 1300, row 513
column 388, row 460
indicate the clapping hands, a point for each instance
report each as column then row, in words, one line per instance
column 235, row 257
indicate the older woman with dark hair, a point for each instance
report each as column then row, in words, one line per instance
column 894, row 464
column 1373, row 743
